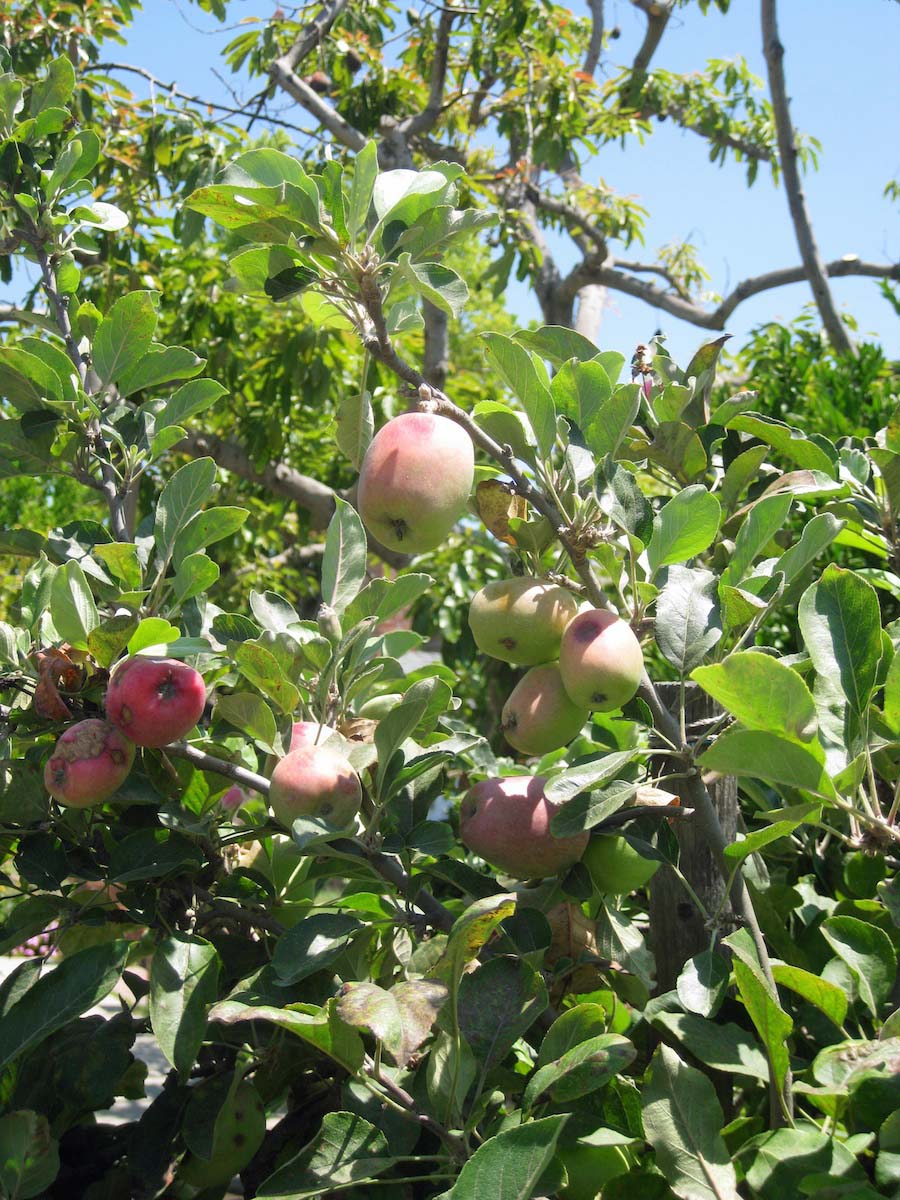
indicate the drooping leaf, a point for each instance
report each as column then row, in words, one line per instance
column 346, row 1148
column 868, row 952
column 690, row 1152
column 509, row 1165
column 184, row 974
column 688, row 617
column 841, row 625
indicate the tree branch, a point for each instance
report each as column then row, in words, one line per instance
column 314, row 33
column 332, row 120
column 787, row 153
column 424, row 121
column 658, row 13
column 595, row 45
column 172, row 90
column 687, row 310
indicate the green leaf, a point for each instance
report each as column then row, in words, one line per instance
column 26, row 381
column 262, row 668
column 471, row 930
column 496, row 1004
column 688, row 617
column 620, row 497
column 703, row 982
column 790, row 818
column 778, row 1163
column 570, row 1029
column 509, row 1165
column 153, row 854
column 320, row 1027
column 437, row 283
column 162, row 364
column 579, row 390
column 346, row 1149
column 194, row 397
column 690, row 1151
column 575, row 780
column 870, row 955
column 312, row 945
column 792, row 443
column 684, row 527
column 772, row 1023
column 344, row 561
column 605, row 426
column 841, row 625
column 762, row 522
column 152, row 631
column 702, row 368
column 368, row 1006
column 763, row 755
column 72, row 606
column 196, row 574
column 61, row 995
column 122, row 560
column 355, row 425
column 211, row 525
column 589, row 808
column 365, row 172
column 741, row 471
column 180, row 501
column 124, row 337
column 99, row 215
column 827, row 997
column 107, row 641
column 519, row 372
column 817, row 535
column 56, row 88
column 762, row 693
column 249, row 713
column 77, row 159
column 29, row 1155
column 184, row 976
column 581, row 1070
column 401, row 721
column 718, row 1044
column 558, row 343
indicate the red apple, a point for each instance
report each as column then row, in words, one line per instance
column 155, row 701
column 315, row 782
column 507, row 822
column 310, row 733
column 90, row 761
column 539, row 716
column 600, row 660
column 415, row 480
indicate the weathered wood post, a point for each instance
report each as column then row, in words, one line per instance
column 678, row 929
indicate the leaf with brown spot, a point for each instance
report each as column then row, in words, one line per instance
column 497, row 503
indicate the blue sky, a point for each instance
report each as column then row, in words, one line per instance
column 841, row 64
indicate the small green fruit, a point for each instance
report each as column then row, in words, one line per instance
column 521, row 620
column 589, row 1168
column 539, row 716
column 615, row 866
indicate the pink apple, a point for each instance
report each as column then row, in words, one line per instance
column 90, row 761
column 155, row 701
column 316, row 782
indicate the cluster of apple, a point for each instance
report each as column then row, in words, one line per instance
column 414, row 484
column 149, row 702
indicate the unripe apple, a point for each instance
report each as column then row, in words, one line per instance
column 240, row 1129
column 507, row 822
column 310, row 733
column 315, row 782
column 90, row 761
column 415, row 480
column 521, row 620
column 615, row 867
column 539, row 716
column 600, row 660
column 155, row 701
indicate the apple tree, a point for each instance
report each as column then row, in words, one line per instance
column 376, row 949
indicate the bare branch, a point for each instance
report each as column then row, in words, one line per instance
column 658, row 13
column 595, row 46
column 592, row 271
column 425, row 120
column 317, row 498
column 332, row 120
column 787, row 152
column 574, row 217
column 172, row 90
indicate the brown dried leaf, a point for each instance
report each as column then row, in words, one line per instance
column 497, row 503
